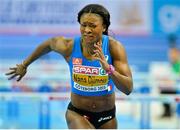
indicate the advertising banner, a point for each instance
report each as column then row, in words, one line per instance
column 60, row 16
column 166, row 16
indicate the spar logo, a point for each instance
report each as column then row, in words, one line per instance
column 79, row 69
column 86, row 70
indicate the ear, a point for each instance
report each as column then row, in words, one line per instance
column 104, row 29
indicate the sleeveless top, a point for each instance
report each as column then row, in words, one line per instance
column 88, row 78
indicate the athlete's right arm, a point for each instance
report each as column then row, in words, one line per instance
column 57, row 44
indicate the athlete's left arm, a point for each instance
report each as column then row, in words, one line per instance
column 122, row 76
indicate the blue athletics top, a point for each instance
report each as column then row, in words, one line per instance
column 88, row 78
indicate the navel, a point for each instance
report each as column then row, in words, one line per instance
column 93, row 105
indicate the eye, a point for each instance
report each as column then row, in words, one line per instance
column 92, row 26
column 83, row 25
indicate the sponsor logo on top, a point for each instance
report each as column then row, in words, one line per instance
column 77, row 61
column 78, row 69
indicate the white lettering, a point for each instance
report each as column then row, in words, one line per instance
column 104, row 118
column 90, row 89
column 86, row 70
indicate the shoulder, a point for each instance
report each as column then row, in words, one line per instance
column 63, row 40
column 115, row 44
column 62, row 45
column 116, row 48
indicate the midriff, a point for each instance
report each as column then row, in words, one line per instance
column 93, row 103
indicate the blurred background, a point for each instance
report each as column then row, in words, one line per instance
column 149, row 31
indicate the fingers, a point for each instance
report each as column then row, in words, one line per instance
column 99, row 54
column 20, row 77
column 11, row 72
column 98, row 46
column 14, row 75
column 97, row 57
column 19, row 71
column 12, row 68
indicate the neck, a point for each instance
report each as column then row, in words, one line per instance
column 88, row 48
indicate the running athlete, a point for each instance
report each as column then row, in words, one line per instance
column 97, row 64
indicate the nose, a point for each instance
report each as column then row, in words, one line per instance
column 87, row 29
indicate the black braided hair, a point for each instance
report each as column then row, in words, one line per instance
column 97, row 9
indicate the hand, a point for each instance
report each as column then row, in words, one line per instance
column 100, row 56
column 18, row 71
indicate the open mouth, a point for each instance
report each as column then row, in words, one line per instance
column 90, row 39
column 88, row 36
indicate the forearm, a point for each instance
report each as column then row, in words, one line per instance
column 122, row 82
column 39, row 51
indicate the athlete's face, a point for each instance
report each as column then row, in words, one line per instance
column 91, row 27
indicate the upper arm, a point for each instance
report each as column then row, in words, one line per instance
column 62, row 45
column 119, row 57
